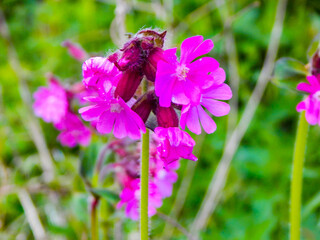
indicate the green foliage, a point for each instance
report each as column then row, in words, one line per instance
column 289, row 72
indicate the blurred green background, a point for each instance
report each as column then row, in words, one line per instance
column 255, row 201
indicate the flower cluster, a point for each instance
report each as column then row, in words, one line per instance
column 140, row 86
column 52, row 104
column 127, row 170
column 120, row 104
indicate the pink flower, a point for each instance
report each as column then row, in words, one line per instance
column 73, row 131
column 312, row 103
column 174, row 144
column 75, row 50
column 100, row 72
column 130, row 196
column 164, row 179
column 180, row 81
column 51, row 102
column 192, row 113
column 113, row 112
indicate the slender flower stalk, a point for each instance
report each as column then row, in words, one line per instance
column 144, row 221
column 296, row 182
column 94, row 219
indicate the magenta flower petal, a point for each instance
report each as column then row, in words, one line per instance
column 216, row 108
column 191, row 119
column 193, row 47
column 105, row 122
column 311, row 104
column 205, row 64
column 92, row 112
column 305, row 87
column 188, row 46
column 120, row 128
column 209, row 126
column 219, row 76
column 221, row 92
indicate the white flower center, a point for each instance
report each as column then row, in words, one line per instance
column 115, row 108
column 181, row 72
column 316, row 96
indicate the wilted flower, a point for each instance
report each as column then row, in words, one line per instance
column 174, row 144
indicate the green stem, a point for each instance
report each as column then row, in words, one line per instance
column 144, row 221
column 296, row 181
column 94, row 219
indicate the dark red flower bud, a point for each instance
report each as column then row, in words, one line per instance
column 144, row 105
column 166, row 117
column 150, row 67
column 128, row 84
column 315, row 63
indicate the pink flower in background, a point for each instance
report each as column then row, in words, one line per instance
column 174, row 144
column 164, row 179
column 130, row 196
column 180, row 81
column 113, row 114
column 73, row 131
column 311, row 104
column 100, row 72
column 51, row 102
column 75, row 50
column 193, row 114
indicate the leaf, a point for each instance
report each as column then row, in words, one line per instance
column 289, row 72
column 315, row 44
column 106, row 194
column 88, row 160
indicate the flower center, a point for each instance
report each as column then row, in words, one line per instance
column 181, row 72
column 316, row 96
column 115, row 108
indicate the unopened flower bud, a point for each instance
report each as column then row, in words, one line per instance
column 150, row 67
column 128, row 84
column 75, row 50
column 144, row 105
column 167, row 117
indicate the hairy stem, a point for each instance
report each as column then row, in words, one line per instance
column 144, row 221
column 296, row 181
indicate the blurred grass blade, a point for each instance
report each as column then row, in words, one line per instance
column 311, row 205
